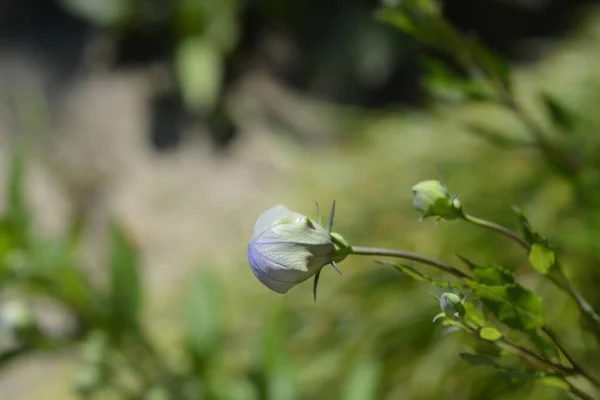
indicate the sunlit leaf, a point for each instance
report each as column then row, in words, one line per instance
column 491, row 334
column 512, row 304
column 542, row 258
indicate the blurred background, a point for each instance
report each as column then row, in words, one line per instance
column 141, row 139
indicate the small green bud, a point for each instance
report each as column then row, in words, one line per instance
column 452, row 305
column 432, row 199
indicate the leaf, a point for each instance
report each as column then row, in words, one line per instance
column 478, row 359
column 419, row 276
column 543, row 344
column 363, row 381
column 17, row 213
column 125, row 286
column 199, row 70
column 542, row 258
column 512, row 304
column 473, row 316
column 202, row 316
column 544, row 378
column 554, row 381
column 491, row 334
column 490, row 275
column 531, row 236
column 497, row 137
column 560, row 116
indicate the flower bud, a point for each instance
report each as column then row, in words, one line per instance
column 288, row 248
column 432, row 199
column 452, row 305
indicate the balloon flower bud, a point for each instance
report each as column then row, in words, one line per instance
column 432, row 199
column 288, row 248
column 452, row 305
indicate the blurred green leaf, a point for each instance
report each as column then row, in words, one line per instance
column 560, row 116
column 473, row 316
column 543, row 344
column 202, row 316
column 530, row 235
column 200, row 72
column 478, row 359
column 512, row 304
column 363, row 381
column 542, row 258
column 17, row 214
column 497, row 137
column 489, row 275
column 419, row 276
column 125, row 286
column 278, row 372
column 491, row 334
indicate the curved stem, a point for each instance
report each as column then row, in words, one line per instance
column 373, row 251
column 497, row 228
column 576, row 367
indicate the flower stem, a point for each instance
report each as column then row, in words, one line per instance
column 497, row 228
column 576, row 367
column 442, row 266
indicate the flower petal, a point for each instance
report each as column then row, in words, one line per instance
column 269, row 217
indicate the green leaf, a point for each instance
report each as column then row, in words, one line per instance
column 544, row 378
column 491, row 334
column 478, row 359
column 560, row 116
column 473, row 316
column 530, row 235
column 17, row 213
column 543, row 344
column 542, row 258
column 490, row 275
column 363, row 381
column 125, row 286
column 202, row 316
column 419, row 276
column 512, row 304
column 554, row 381
column 277, row 369
column 497, row 137
column 199, row 69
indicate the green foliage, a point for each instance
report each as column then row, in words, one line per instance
column 202, row 317
column 491, row 334
column 542, row 258
column 125, row 289
column 363, row 381
column 512, row 304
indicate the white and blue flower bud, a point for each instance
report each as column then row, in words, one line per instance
column 288, row 248
column 432, row 199
column 452, row 305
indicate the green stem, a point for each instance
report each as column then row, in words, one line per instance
column 576, row 367
column 497, row 228
column 442, row 266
